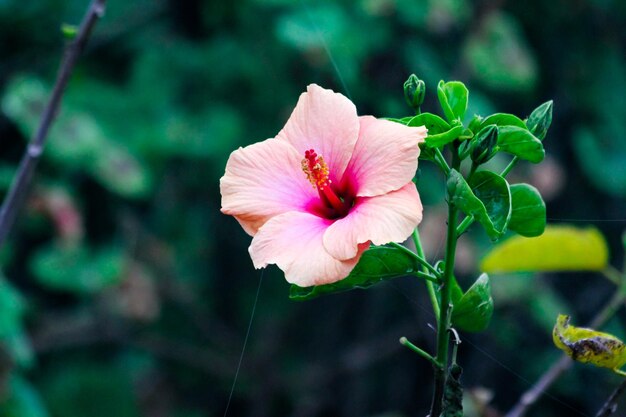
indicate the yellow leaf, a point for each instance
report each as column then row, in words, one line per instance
column 589, row 346
column 559, row 248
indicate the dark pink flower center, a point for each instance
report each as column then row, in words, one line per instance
column 334, row 204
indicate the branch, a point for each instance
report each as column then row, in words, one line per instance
column 610, row 406
column 533, row 394
column 555, row 371
column 23, row 179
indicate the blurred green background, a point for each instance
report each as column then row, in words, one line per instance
column 125, row 292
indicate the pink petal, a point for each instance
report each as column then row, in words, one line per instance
column 326, row 122
column 385, row 156
column 263, row 180
column 293, row 241
column 387, row 218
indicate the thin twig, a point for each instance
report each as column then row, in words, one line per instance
column 554, row 372
column 610, row 406
column 532, row 395
column 405, row 342
column 22, row 181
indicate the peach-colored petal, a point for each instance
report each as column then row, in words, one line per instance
column 293, row 241
column 263, row 180
column 382, row 219
column 385, row 156
column 326, row 122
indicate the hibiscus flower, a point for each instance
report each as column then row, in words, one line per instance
column 326, row 187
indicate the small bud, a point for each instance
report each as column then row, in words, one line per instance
column 414, row 91
column 483, row 144
column 474, row 124
column 540, row 120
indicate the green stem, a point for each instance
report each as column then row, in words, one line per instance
column 428, row 277
column 441, row 160
column 429, row 285
column 612, row 275
column 405, row 342
column 473, row 169
column 455, row 346
column 510, row 166
column 467, row 222
column 419, row 259
column 443, row 336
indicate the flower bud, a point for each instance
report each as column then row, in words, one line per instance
column 474, row 124
column 483, row 144
column 540, row 120
column 414, row 91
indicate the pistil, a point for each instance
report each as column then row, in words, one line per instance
column 317, row 173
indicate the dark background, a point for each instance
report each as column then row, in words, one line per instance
column 125, row 291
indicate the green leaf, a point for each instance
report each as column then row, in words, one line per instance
column 473, row 311
column 120, row 172
column 76, row 269
column 433, row 123
column 402, row 121
column 494, row 192
column 12, row 333
column 7, row 173
column 503, row 119
column 456, row 292
column 301, row 28
column 377, row 264
column 487, row 198
column 540, row 120
column 499, row 56
column 96, row 388
column 22, row 400
column 78, row 140
column 453, row 97
column 441, row 139
column 12, row 306
column 426, row 153
column 559, row 248
column 521, row 143
column 600, row 153
column 589, row 346
column 528, row 217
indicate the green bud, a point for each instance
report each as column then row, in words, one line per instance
column 474, row 124
column 540, row 120
column 414, row 91
column 484, row 143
